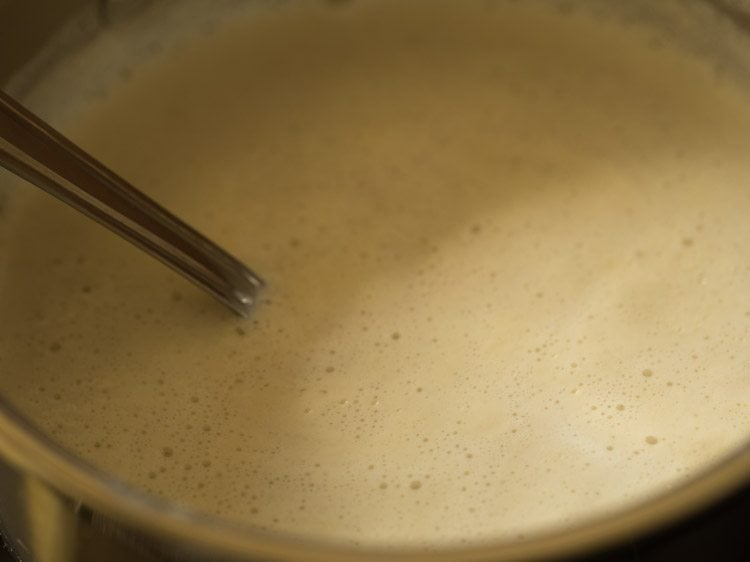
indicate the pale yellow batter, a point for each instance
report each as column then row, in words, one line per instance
column 508, row 261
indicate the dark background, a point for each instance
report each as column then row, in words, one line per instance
column 720, row 533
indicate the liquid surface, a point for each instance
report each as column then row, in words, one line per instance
column 508, row 274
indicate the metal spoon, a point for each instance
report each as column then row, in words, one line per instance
column 33, row 150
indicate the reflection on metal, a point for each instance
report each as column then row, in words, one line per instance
column 51, row 523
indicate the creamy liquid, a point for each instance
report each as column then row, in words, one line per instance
column 507, row 259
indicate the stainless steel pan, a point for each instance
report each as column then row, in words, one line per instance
column 55, row 508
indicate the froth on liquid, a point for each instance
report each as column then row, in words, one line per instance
column 508, row 278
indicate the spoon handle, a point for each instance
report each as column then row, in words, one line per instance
column 33, row 150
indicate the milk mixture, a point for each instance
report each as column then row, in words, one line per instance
column 506, row 249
